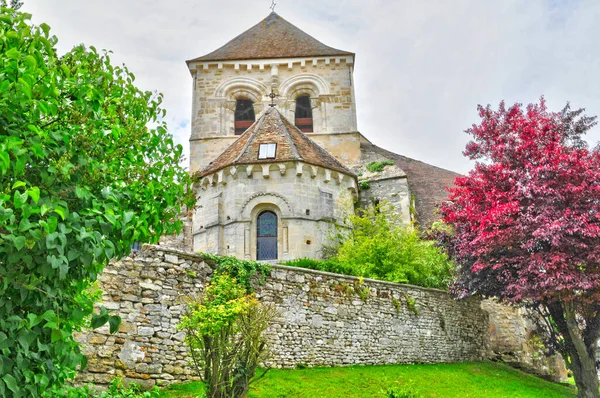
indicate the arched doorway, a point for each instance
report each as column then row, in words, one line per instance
column 266, row 236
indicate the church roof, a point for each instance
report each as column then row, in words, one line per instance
column 273, row 37
column 291, row 145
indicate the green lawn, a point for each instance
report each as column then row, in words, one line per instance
column 471, row 379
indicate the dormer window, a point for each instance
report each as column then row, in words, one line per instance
column 267, row 151
column 304, row 118
column 244, row 115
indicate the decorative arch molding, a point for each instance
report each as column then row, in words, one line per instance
column 305, row 82
column 260, row 198
column 242, row 87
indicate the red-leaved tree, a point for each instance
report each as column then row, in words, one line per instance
column 526, row 224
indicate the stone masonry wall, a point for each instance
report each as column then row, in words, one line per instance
column 325, row 319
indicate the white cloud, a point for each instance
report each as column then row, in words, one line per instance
column 422, row 65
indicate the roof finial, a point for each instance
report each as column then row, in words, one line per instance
column 273, row 96
column 273, row 4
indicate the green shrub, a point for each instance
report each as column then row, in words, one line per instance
column 331, row 265
column 244, row 271
column 116, row 389
column 364, row 185
column 379, row 246
column 375, row 167
column 68, row 391
column 224, row 332
column 397, row 392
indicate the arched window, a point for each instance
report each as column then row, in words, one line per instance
column 304, row 118
column 266, row 236
column 244, row 115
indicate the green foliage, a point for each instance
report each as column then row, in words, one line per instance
column 401, row 392
column 82, row 177
column 331, row 265
column 116, row 389
column 224, row 332
column 411, row 304
column 361, row 291
column 68, row 391
column 14, row 4
column 244, row 271
column 375, row 167
column 364, row 185
column 379, row 246
column 396, row 304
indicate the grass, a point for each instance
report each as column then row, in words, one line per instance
column 464, row 380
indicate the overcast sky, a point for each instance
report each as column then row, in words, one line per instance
column 422, row 66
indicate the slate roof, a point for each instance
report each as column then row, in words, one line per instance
column 426, row 182
column 273, row 37
column 292, row 145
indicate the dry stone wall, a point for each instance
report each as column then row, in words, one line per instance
column 325, row 319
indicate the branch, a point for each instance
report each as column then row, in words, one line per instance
column 255, row 379
column 592, row 329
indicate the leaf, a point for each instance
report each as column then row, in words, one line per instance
column 114, row 322
column 60, row 211
column 30, row 61
column 19, row 199
column 81, row 192
column 13, row 53
column 18, row 184
column 45, row 28
column 34, row 193
column 49, row 316
column 19, row 165
column 63, row 269
column 34, row 320
column 52, row 224
column 127, row 217
column 98, row 321
column 4, row 161
column 11, row 382
column 55, row 335
column 19, row 242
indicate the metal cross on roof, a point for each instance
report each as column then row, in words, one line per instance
column 273, row 96
column 273, row 4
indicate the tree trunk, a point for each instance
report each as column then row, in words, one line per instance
column 581, row 356
column 586, row 379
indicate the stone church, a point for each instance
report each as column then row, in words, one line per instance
column 275, row 151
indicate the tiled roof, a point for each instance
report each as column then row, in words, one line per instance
column 292, row 145
column 426, row 182
column 273, row 37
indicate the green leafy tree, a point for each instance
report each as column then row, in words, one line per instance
column 14, row 4
column 379, row 246
column 82, row 177
column 224, row 332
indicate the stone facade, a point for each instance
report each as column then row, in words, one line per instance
column 389, row 184
column 308, row 201
column 327, row 80
column 324, row 319
column 513, row 341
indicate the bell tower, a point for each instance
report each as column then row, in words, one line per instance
column 312, row 84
